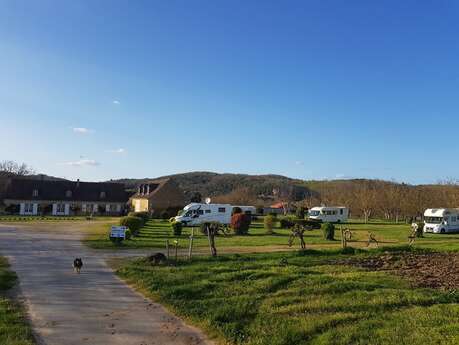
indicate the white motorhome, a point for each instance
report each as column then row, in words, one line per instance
column 197, row 213
column 441, row 220
column 330, row 214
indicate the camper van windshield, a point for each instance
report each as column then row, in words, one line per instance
column 314, row 213
column 434, row 220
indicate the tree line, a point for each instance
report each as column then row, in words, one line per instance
column 365, row 198
column 384, row 199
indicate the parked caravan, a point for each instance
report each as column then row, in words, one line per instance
column 329, row 214
column 441, row 220
column 197, row 213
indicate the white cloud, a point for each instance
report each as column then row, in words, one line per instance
column 82, row 130
column 120, row 151
column 83, row 162
column 116, row 102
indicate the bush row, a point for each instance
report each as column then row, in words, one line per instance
column 134, row 221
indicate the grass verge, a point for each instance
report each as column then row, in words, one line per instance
column 14, row 328
column 287, row 298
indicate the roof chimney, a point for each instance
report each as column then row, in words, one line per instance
column 148, row 189
column 78, row 183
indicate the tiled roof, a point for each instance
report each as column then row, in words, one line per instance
column 23, row 189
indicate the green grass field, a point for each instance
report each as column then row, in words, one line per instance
column 155, row 234
column 14, row 329
column 291, row 299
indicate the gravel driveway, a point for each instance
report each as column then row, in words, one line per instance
column 95, row 307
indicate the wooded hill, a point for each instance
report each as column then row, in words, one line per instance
column 366, row 198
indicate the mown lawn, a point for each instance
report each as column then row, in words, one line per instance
column 14, row 329
column 155, row 234
column 292, row 298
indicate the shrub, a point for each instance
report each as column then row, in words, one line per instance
column 420, row 230
column 177, row 228
column 328, row 230
column 128, row 234
column 47, row 209
column 269, row 224
column 12, row 209
column 240, row 223
column 145, row 216
column 286, row 223
column 132, row 223
column 164, row 215
column 260, row 210
column 300, row 212
column 273, row 214
column 173, row 211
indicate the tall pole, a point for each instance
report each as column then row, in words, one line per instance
column 190, row 249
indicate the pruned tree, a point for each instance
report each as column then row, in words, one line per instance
column 212, row 229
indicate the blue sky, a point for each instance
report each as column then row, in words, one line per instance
column 308, row 89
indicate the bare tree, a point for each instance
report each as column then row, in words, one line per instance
column 16, row 168
column 365, row 197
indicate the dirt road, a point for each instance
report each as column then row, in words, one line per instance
column 93, row 308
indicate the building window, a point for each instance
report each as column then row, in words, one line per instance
column 112, row 208
column 221, row 209
column 60, row 208
column 102, row 195
column 35, row 192
column 341, row 211
column 28, row 208
column 207, row 211
column 68, row 194
column 200, row 212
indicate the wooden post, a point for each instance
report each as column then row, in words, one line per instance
column 190, row 249
column 208, row 237
column 343, row 238
column 176, row 249
column 167, row 249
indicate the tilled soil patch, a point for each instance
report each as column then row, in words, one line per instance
column 432, row 270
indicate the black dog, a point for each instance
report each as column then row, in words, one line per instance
column 77, row 265
column 157, row 258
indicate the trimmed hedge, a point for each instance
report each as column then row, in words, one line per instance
column 177, row 228
column 145, row 216
column 240, row 223
column 132, row 223
column 420, row 230
column 269, row 224
column 328, row 230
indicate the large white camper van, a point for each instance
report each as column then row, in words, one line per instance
column 196, row 213
column 330, row 214
column 441, row 220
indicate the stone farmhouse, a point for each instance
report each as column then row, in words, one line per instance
column 63, row 198
column 158, row 196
